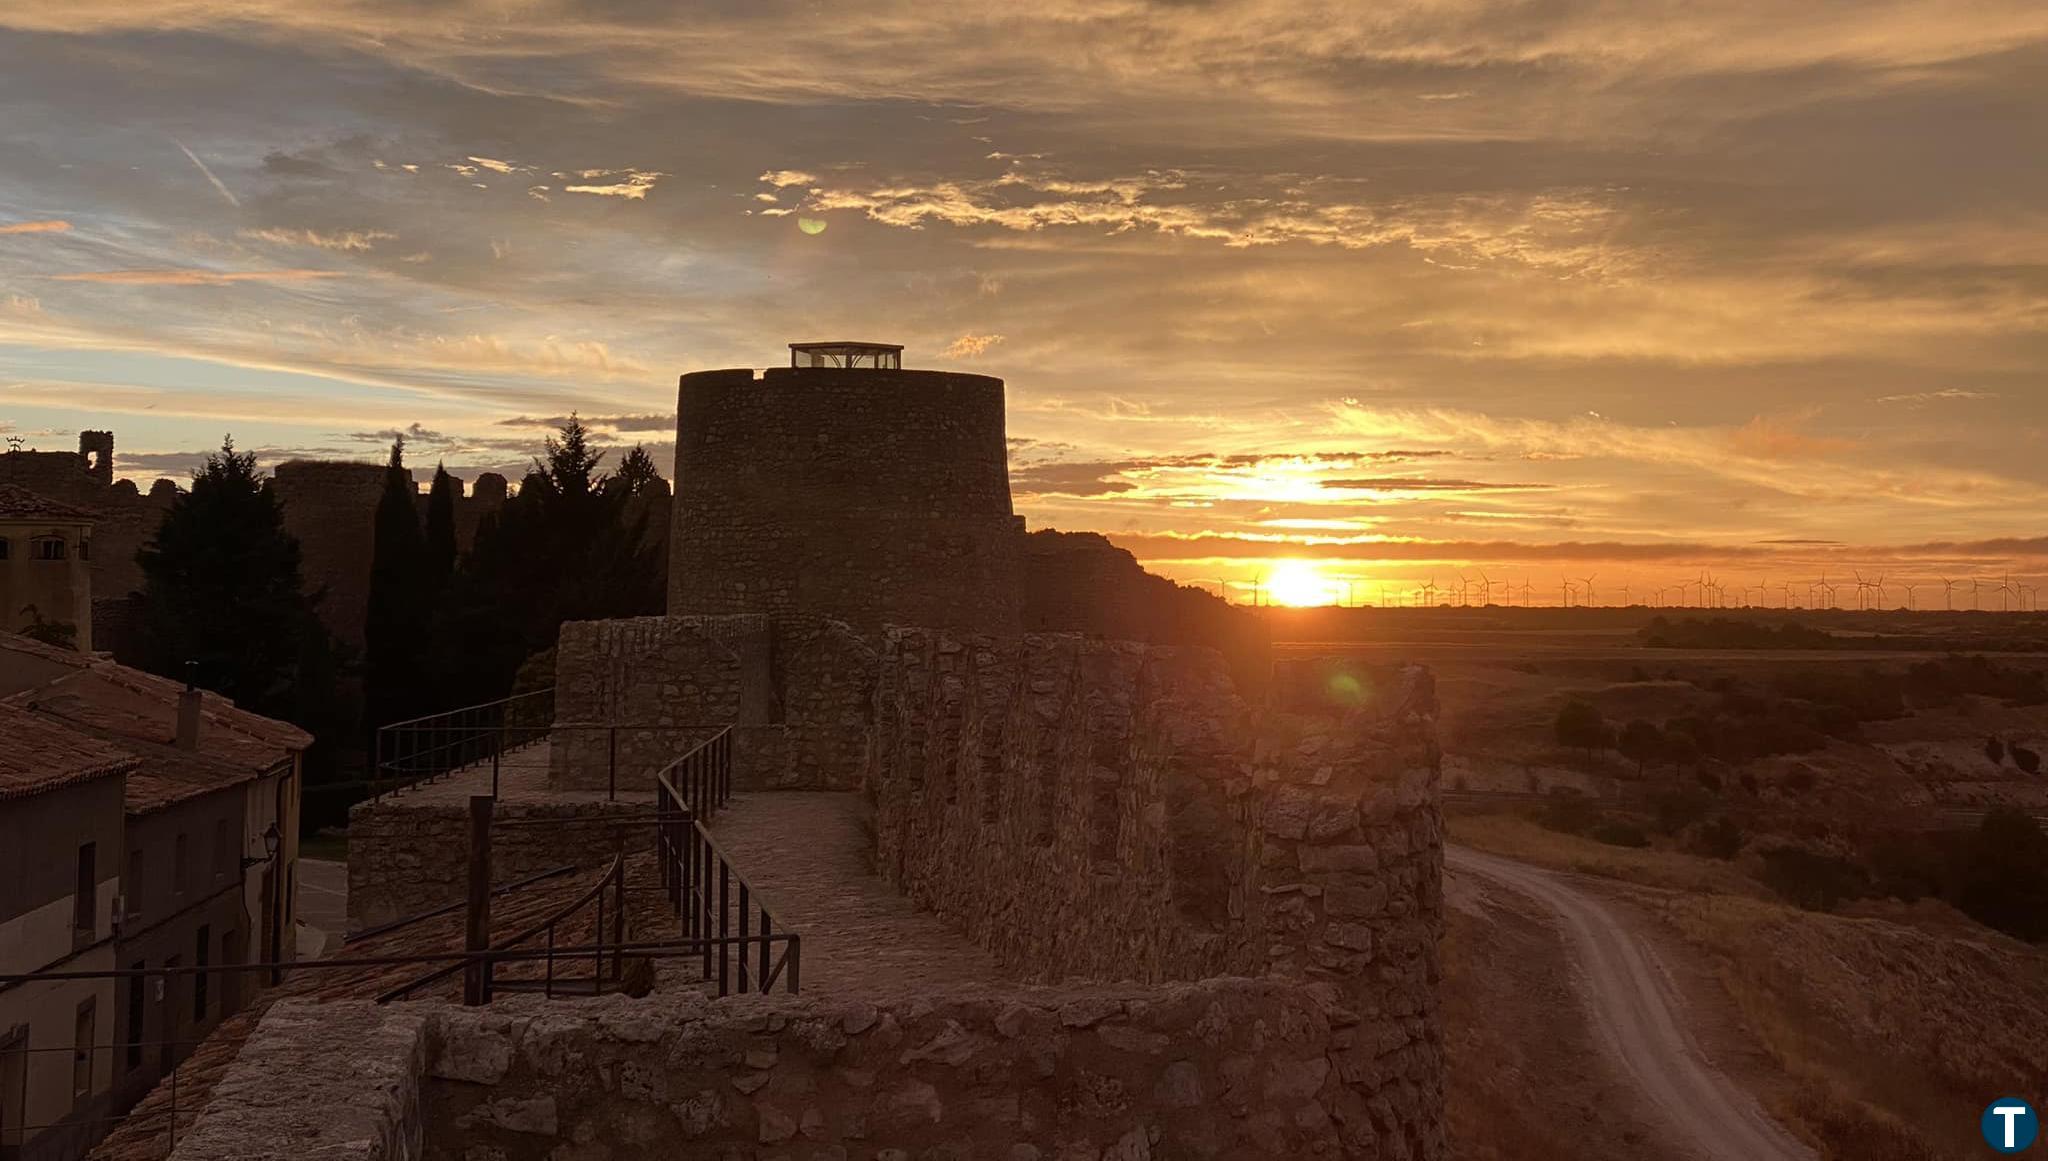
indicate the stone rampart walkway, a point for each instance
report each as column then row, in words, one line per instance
column 807, row 852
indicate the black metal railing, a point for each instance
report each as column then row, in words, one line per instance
column 607, row 960
column 742, row 946
column 425, row 748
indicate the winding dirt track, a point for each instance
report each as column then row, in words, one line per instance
column 1630, row 1004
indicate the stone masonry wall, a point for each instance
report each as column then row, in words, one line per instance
column 796, row 691
column 1109, row 810
column 408, row 857
column 1236, row 1069
column 331, row 1082
column 869, row 497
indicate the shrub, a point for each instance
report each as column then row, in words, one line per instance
column 1680, row 807
column 1619, row 834
column 1582, row 727
column 1569, row 813
column 1718, row 839
column 1994, row 750
column 1642, row 743
column 1811, row 880
column 2026, row 759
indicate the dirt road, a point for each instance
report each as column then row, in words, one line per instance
column 1634, row 1014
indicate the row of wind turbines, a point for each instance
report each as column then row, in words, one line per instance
column 1705, row 592
column 1702, row 591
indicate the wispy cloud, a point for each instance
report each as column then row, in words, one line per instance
column 1945, row 395
column 194, row 277
column 47, row 226
column 344, row 241
column 971, row 346
column 632, row 184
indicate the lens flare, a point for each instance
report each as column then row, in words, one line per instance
column 811, row 225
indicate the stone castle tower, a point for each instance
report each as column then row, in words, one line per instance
column 845, row 487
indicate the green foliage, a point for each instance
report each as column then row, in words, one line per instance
column 1641, row 742
column 1581, row 726
column 396, row 623
column 2002, row 880
column 1718, row 838
column 1814, row 881
column 1680, row 806
column 637, row 475
column 440, row 530
column 223, row 606
column 58, row 634
column 565, row 548
column 1619, row 834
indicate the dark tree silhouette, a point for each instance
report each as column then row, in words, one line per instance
column 441, row 528
column 396, row 623
column 223, row 606
column 565, row 548
column 1641, row 742
column 1581, row 726
column 221, row 589
column 637, row 475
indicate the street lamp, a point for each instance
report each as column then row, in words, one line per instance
column 272, row 840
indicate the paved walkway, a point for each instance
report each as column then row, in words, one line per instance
column 807, row 852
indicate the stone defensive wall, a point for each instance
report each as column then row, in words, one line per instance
column 869, row 497
column 635, row 693
column 1104, row 810
column 1240, row 1069
column 409, row 856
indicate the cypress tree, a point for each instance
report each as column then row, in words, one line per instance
column 441, row 528
column 397, row 620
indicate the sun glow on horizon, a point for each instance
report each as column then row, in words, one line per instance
column 1300, row 583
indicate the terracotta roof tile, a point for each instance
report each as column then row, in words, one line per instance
column 39, row 755
column 18, row 503
column 130, row 710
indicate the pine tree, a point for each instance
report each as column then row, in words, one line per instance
column 563, row 549
column 222, row 600
column 397, row 620
column 637, row 475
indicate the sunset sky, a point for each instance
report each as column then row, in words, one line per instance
column 1550, row 288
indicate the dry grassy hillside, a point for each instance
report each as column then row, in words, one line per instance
column 1887, row 1028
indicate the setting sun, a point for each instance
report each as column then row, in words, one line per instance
column 1300, row 583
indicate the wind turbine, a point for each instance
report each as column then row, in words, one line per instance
column 1588, row 581
column 1948, row 594
column 1912, row 602
column 1484, row 580
column 1568, row 590
column 1429, row 591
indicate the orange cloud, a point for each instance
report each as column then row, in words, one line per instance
column 1772, row 439
column 49, row 226
column 194, row 277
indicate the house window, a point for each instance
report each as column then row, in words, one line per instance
column 138, row 986
column 199, row 981
column 6, row 548
column 81, row 1053
column 82, row 917
column 48, row 548
column 85, row 550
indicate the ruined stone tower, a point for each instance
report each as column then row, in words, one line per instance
column 97, row 448
column 846, row 487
